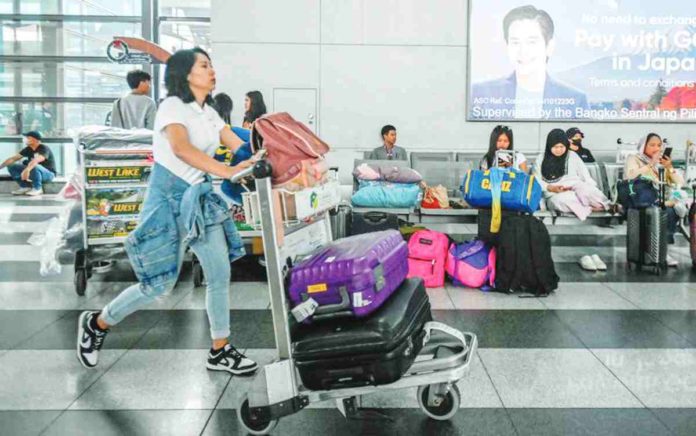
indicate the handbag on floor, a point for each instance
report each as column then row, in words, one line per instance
column 472, row 264
column 427, row 254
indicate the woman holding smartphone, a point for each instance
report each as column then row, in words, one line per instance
column 645, row 164
column 501, row 139
column 181, row 210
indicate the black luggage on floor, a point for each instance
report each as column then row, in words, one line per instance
column 483, row 222
column 646, row 238
column 369, row 351
column 524, row 262
column 646, row 234
column 374, row 221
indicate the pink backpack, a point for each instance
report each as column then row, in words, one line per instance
column 472, row 264
column 427, row 252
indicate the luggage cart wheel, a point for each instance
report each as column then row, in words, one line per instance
column 446, row 407
column 253, row 424
column 197, row 274
column 80, row 281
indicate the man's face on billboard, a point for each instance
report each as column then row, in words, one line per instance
column 527, row 48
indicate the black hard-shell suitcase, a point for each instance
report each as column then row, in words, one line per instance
column 369, row 351
column 646, row 235
column 373, row 221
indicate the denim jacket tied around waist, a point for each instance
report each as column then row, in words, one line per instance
column 153, row 247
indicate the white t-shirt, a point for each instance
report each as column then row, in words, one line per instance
column 203, row 126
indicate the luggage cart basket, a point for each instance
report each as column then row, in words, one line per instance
column 114, row 183
column 277, row 390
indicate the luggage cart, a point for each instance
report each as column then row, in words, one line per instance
column 116, row 173
column 277, row 390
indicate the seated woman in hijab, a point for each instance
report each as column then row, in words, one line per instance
column 567, row 184
column 645, row 164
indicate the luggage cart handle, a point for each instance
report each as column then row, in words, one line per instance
column 465, row 347
column 434, row 325
column 260, row 170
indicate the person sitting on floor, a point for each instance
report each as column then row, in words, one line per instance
column 38, row 168
column 389, row 150
column 501, row 139
column 568, row 186
column 645, row 164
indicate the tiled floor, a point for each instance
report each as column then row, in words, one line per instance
column 608, row 353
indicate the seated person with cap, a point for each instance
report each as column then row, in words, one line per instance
column 575, row 136
column 38, row 167
column 389, row 150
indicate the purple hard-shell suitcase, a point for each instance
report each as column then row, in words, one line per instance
column 352, row 276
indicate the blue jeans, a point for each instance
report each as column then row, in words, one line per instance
column 38, row 175
column 212, row 253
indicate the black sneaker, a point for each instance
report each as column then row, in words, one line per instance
column 230, row 360
column 89, row 339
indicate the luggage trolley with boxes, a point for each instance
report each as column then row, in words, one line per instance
column 335, row 351
column 115, row 166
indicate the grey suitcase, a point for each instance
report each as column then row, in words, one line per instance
column 341, row 218
column 646, row 235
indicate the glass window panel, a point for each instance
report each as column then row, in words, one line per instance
column 61, row 39
column 51, row 119
column 6, row 7
column 70, row 79
column 8, row 149
column 175, row 36
column 184, row 8
column 81, row 7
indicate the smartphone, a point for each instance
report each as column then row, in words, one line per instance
column 668, row 152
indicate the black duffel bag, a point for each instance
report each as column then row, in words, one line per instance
column 638, row 193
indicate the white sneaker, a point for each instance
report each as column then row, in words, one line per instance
column 34, row 192
column 21, row 191
column 601, row 266
column 230, row 360
column 587, row 263
column 672, row 261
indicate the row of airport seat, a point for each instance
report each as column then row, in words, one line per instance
column 449, row 168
